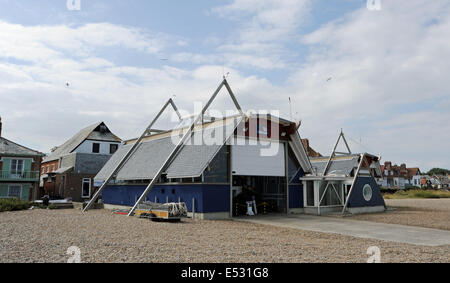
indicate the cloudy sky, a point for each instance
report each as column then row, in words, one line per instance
column 381, row 75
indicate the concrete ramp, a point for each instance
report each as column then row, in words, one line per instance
column 355, row 228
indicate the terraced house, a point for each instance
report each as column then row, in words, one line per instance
column 19, row 170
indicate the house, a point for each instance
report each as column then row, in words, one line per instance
column 437, row 181
column 309, row 150
column 413, row 177
column 394, row 176
column 400, row 177
column 19, row 170
column 69, row 171
column 220, row 167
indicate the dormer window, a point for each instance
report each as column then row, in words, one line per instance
column 103, row 129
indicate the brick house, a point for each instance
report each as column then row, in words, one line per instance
column 19, row 170
column 69, row 171
column 309, row 150
column 399, row 177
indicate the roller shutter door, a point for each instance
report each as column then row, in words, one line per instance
column 250, row 160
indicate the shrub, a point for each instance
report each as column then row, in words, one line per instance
column 13, row 205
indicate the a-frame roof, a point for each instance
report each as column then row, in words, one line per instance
column 87, row 133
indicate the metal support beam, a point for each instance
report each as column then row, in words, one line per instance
column 182, row 142
column 363, row 157
column 341, row 135
column 131, row 151
column 236, row 103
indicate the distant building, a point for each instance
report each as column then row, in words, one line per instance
column 414, row 176
column 69, row 171
column 399, row 177
column 311, row 152
column 19, row 170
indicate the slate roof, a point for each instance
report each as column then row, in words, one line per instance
column 191, row 161
column 339, row 166
column 8, row 147
column 86, row 133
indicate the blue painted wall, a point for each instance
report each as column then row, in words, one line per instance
column 296, row 196
column 208, row 198
column 356, row 199
column 296, row 190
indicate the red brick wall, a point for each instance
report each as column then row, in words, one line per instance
column 49, row 164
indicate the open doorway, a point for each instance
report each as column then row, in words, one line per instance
column 269, row 194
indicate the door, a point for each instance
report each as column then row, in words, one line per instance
column 16, row 168
column 249, row 159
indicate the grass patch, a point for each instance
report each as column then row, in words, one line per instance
column 13, row 205
column 418, row 194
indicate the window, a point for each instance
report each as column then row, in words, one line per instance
column 329, row 194
column 15, row 192
column 217, row 170
column 53, row 167
column 95, row 148
column 16, row 167
column 86, row 188
column 309, row 193
column 47, row 169
column 367, row 192
column 113, row 148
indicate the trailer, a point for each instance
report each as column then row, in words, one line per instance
column 157, row 211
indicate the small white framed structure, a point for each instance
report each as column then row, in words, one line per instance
column 346, row 183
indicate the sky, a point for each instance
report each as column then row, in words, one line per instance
column 378, row 70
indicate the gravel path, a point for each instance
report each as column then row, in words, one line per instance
column 45, row 235
column 429, row 213
column 428, row 204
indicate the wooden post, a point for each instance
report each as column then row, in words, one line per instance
column 193, row 208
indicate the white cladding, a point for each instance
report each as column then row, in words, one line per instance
column 257, row 160
column 87, row 146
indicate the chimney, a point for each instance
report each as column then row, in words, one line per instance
column 0, row 126
column 388, row 165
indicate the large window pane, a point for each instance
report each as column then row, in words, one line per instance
column 15, row 191
column 310, row 193
column 217, row 171
column 330, row 197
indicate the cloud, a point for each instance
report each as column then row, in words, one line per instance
column 259, row 42
column 43, row 43
column 388, row 70
column 379, row 75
